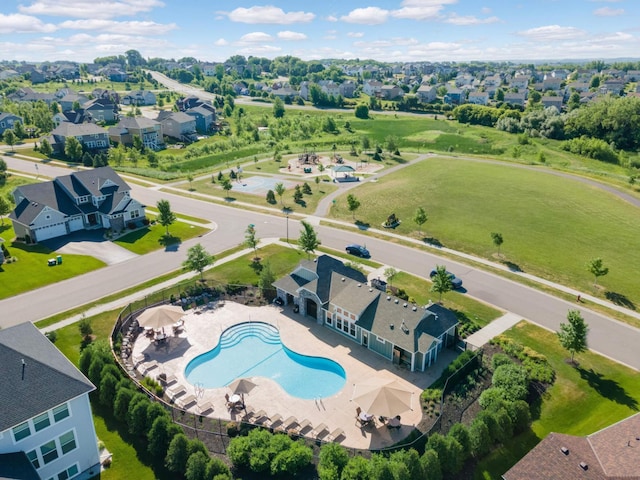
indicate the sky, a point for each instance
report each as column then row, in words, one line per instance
column 388, row 31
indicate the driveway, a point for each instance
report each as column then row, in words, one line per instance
column 91, row 244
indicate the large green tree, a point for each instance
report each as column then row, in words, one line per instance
column 278, row 108
column 165, row 216
column 441, row 281
column 5, row 209
column 308, row 240
column 198, row 259
column 10, row 138
column 573, row 335
column 73, row 149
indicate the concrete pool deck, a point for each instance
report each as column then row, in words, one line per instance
column 305, row 336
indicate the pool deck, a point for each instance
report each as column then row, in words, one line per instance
column 305, row 336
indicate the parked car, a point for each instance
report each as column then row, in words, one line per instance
column 358, row 250
column 455, row 281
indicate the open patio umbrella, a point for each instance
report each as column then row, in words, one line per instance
column 241, row 386
column 161, row 316
column 388, row 399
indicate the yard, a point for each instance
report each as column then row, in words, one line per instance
column 154, row 237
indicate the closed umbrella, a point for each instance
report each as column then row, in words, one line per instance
column 241, row 386
column 388, row 400
column 161, row 316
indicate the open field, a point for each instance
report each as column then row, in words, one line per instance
column 552, row 226
column 583, row 399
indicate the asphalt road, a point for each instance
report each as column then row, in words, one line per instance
column 606, row 336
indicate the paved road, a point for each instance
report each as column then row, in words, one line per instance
column 609, row 337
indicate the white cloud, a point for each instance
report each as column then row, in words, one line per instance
column 17, row 23
column 110, row 26
column 255, row 37
column 366, row 16
column 608, row 12
column 332, row 18
column 456, row 19
column 258, row 50
column 221, row 42
column 355, row 34
column 289, row 35
column 90, row 9
column 552, row 32
column 421, row 9
column 268, row 14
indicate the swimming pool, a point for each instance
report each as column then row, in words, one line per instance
column 254, row 349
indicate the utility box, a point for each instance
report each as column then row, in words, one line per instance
column 59, row 259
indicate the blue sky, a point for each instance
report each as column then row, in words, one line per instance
column 401, row 30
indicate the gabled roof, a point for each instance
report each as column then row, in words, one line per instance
column 38, row 196
column 16, row 466
column 136, row 122
column 68, row 129
column 45, row 380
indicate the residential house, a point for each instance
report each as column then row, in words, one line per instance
column 83, row 200
column 139, row 98
column 630, row 76
column 372, row 88
column 101, row 110
column 46, row 415
column 549, row 101
column 106, row 95
column 205, row 117
column 178, row 125
column 613, row 86
column 578, row 86
column 391, row 92
column 427, row 93
column 67, row 101
column 339, row 298
column 148, row 130
column 71, row 116
column 114, row 74
column 8, row 74
column 8, row 121
column 284, row 92
column 478, row 98
column 208, row 69
column 329, row 88
column 28, row 95
column 520, row 82
column 512, row 98
column 552, row 83
column 92, row 137
column 347, row 89
column 608, row 454
column 455, row 96
column 464, row 79
column 304, row 90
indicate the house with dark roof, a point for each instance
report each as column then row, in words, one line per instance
column 205, row 117
column 46, row 427
column 84, row 200
column 148, row 130
column 101, row 110
column 178, row 125
column 608, row 454
column 8, row 121
column 338, row 297
column 92, row 137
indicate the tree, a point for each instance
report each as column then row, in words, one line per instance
column 333, row 458
column 353, row 204
column 271, row 197
column 198, row 259
column 357, row 468
column 5, row 208
column 366, row 143
column 390, row 273
column 251, row 240
column 597, row 269
column 267, row 277
column 196, row 466
column 177, row 454
column 190, row 180
column 420, row 217
column 573, row 335
column 84, row 325
column 18, row 129
column 497, row 240
column 108, row 390
column 431, row 465
column 165, row 216
column 10, row 138
column 45, row 148
column 280, row 189
column 160, row 435
column 391, row 143
column 278, row 108
column 226, row 185
column 73, row 149
column 308, row 240
column 441, row 281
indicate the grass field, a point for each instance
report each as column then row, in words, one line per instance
column 551, row 226
column 596, row 394
column 153, row 237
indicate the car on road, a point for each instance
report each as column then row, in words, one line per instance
column 455, row 281
column 358, row 250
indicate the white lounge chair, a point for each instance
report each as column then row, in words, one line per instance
column 186, row 401
column 304, row 424
column 275, row 419
column 338, row 432
column 319, row 430
column 205, row 407
column 288, row 423
column 175, row 391
column 255, row 417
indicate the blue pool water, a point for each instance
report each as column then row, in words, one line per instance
column 254, row 349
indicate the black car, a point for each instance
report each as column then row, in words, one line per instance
column 358, row 250
column 455, row 281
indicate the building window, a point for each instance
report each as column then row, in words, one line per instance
column 67, row 442
column 33, row 458
column 134, row 214
column 41, row 422
column 352, row 329
column 70, row 472
column 21, row 431
column 49, row 452
column 60, row 413
column 339, row 323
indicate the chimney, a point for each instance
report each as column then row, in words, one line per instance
column 23, row 367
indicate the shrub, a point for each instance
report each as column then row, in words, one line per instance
column 520, row 415
column 513, row 380
column 52, row 336
column 500, row 359
column 479, row 438
column 333, row 458
column 290, row 461
column 492, row 399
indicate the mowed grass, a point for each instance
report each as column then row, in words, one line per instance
column 582, row 400
column 154, row 237
column 552, row 226
column 32, row 271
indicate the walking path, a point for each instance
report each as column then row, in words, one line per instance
column 495, row 328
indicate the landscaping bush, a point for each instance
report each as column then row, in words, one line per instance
column 500, row 359
column 536, row 364
column 513, row 380
column 333, row 458
column 479, row 438
column 431, row 465
column 153, row 386
column 462, row 360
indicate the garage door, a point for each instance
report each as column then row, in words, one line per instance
column 76, row 224
column 50, row 231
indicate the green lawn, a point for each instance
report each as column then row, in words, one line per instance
column 598, row 393
column 551, row 226
column 31, row 270
column 153, row 237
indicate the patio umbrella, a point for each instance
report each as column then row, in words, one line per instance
column 241, row 386
column 161, row 316
column 388, row 400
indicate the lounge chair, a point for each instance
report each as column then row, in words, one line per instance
column 338, row 432
column 206, row 407
column 304, row 424
column 175, row 391
column 186, row 401
column 256, row 416
column 170, row 379
column 275, row 419
column 319, row 430
column 289, row 423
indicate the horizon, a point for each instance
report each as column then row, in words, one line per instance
column 390, row 31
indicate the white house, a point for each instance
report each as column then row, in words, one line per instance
column 46, row 427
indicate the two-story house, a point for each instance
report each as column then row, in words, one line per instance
column 148, row 130
column 338, row 297
column 512, row 98
column 372, row 88
column 101, row 110
column 139, row 98
column 426, row 93
column 46, row 427
column 205, row 117
column 92, row 137
column 8, row 121
column 178, row 125
column 478, row 98
column 391, row 92
column 83, row 200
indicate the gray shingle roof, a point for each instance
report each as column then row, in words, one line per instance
column 50, row 379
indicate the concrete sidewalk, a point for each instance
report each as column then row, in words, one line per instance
column 495, row 328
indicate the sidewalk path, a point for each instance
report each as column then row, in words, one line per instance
column 495, row 328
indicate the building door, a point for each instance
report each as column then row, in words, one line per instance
column 312, row 308
column 365, row 338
